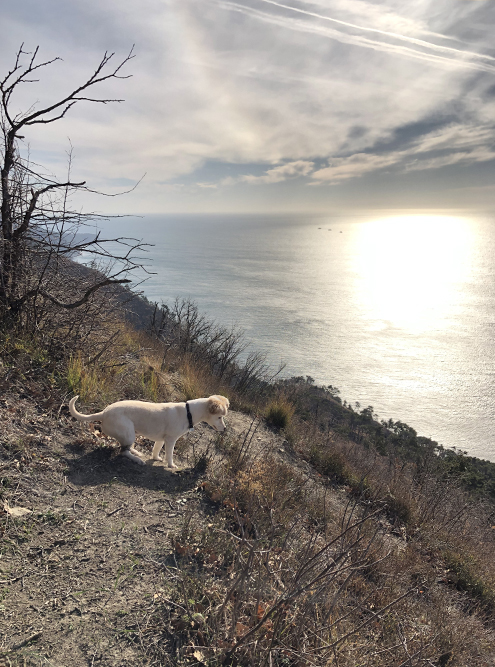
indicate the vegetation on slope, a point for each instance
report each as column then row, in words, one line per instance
column 323, row 406
column 302, row 544
column 309, row 534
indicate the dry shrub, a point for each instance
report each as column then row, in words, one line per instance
column 331, row 463
column 128, row 369
column 196, row 380
column 286, row 594
column 277, row 587
column 86, row 381
column 279, row 413
column 270, row 488
column 277, row 595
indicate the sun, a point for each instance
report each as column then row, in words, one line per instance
column 410, row 269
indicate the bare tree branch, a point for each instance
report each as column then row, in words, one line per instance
column 72, row 98
column 39, row 233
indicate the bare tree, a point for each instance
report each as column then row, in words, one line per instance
column 39, row 232
column 186, row 331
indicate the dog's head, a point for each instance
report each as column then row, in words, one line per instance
column 217, row 409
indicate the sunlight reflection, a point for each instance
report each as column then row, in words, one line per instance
column 411, row 269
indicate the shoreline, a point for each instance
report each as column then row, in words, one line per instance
column 300, row 295
column 138, row 310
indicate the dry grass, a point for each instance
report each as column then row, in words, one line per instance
column 130, row 369
column 275, row 578
column 279, row 413
column 350, row 559
column 195, row 380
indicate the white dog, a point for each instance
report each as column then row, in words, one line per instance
column 162, row 422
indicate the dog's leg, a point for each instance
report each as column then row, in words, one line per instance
column 134, row 451
column 169, row 453
column 134, row 455
column 127, row 443
column 156, row 450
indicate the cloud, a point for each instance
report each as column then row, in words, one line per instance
column 450, row 145
column 350, row 33
column 381, row 17
column 353, row 167
column 324, row 92
column 460, row 158
column 284, row 172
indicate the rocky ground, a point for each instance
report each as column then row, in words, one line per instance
column 89, row 541
column 85, row 534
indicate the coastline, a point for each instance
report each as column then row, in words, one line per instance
column 138, row 311
column 304, row 296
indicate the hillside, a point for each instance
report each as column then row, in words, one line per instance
column 307, row 535
column 293, row 539
column 84, row 564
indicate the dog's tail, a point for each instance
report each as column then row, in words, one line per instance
column 83, row 418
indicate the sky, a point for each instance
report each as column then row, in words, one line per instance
column 265, row 106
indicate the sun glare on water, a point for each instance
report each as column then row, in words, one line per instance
column 411, row 268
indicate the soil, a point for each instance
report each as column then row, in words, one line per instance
column 88, row 538
column 81, row 567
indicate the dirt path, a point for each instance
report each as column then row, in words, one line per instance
column 82, row 567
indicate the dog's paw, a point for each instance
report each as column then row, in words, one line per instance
column 157, row 458
column 172, row 465
column 134, row 456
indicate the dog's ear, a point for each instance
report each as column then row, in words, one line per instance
column 222, row 399
column 218, row 404
column 214, row 406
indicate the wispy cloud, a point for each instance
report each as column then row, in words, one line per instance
column 406, row 45
column 281, row 173
column 363, row 8
column 451, row 145
column 251, row 93
column 353, row 167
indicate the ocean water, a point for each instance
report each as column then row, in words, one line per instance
column 396, row 310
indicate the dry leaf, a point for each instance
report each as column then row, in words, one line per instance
column 199, row 657
column 181, row 550
column 15, row 511
column 240, row 628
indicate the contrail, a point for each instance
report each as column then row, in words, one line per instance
column 461, row 57
column 412, row 40
column 418, row 29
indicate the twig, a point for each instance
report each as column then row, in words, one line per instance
column 36, row 635
column 369, row 620
column 115, row 511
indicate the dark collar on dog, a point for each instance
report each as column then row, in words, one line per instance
column 189, row 417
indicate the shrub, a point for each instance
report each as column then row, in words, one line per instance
column 330, row 463
column 399, row 508
column 195, row 380
column 279, row 413
column 464, row 568
column 86, row 382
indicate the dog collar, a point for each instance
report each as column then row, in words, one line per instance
column 189, row 417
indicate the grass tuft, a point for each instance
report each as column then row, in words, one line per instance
column 279, row 413
column 466, row 575
column 194, row 381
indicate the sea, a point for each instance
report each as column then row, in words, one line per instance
column 396, row 309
